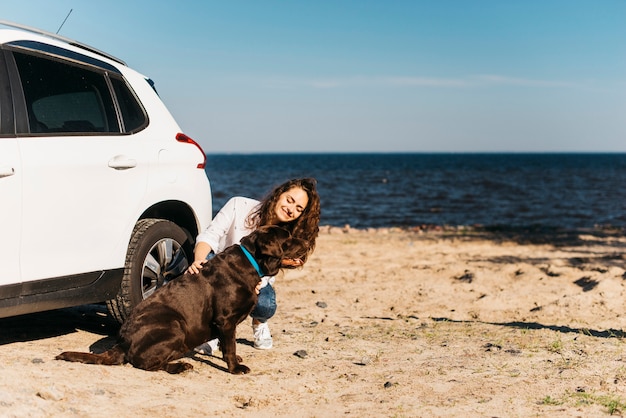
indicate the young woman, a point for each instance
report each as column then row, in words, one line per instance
column 294, row 205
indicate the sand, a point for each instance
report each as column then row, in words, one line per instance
column 421, row 322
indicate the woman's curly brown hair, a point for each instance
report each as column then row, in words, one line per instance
column 306, row 226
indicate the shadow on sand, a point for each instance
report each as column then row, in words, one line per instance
column 539, row 234
column 37, row 326
column 609, row 333
column 605, row 244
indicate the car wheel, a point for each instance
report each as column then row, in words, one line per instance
column 159, row 251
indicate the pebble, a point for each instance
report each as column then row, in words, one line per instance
column 301, row 353
column 50, row 394
column 364, row 361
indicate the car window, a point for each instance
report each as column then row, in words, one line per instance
column 6, row 107
column 63, row 98
column 70, row 112
column 133, row 115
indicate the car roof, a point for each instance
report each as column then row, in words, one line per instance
column 30, row 33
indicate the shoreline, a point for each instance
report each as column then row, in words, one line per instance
column 496, row 228
column 520, row 235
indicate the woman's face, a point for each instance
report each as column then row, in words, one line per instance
column 291, row 204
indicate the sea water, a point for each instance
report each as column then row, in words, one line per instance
column 405, row 190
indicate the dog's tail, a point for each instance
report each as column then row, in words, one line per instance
column 114, row 356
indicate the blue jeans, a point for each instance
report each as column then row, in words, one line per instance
column 266, row 302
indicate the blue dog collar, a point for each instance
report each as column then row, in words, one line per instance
column 252, row 260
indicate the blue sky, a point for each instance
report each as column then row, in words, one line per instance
column 370, row 76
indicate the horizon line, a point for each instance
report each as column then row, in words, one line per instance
column 406, row 152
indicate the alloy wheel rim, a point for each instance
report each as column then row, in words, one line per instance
column 165, row 261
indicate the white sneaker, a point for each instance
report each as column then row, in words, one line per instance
column 208, row 348
column 262, row 336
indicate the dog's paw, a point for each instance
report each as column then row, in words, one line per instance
column 175, row 368
column 240, row 369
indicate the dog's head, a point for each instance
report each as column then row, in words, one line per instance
column 270, row 245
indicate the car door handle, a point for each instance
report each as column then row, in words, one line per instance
column 121, row 162
column 6, row 171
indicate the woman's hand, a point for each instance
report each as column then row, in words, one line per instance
column 292, row 262
column 195, row 267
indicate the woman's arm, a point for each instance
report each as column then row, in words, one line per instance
column 199, row 257
column 219, row 226
column 225, row 229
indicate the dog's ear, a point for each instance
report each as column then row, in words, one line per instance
column 266, row 245
column 290, row 248
column 266, row 241
column 270, row 245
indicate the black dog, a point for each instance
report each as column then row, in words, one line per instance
column 198, row 307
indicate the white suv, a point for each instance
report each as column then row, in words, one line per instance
column 101, row 195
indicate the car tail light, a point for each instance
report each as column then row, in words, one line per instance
column 180, row 137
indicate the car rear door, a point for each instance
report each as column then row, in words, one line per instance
column 83, row 173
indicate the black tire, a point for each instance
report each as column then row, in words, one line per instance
column 159, row 251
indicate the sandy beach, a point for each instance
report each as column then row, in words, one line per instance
column 422, row 322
